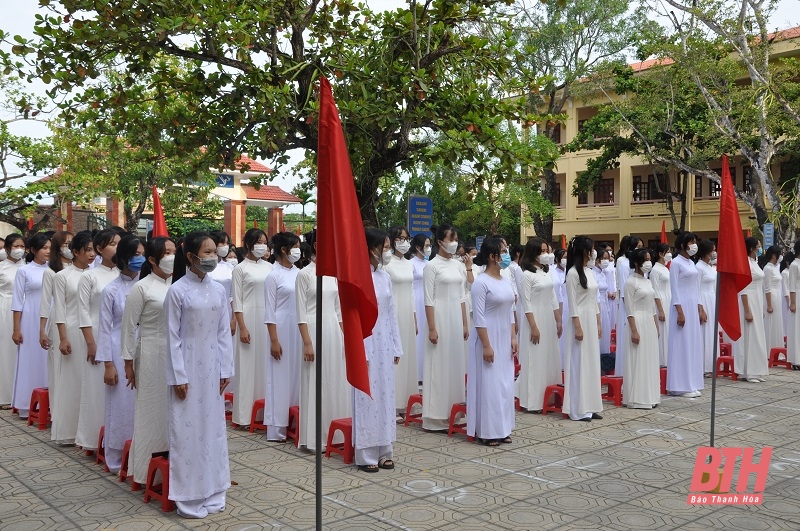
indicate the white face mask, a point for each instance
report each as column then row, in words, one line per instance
column 233, row 261
column 260, row 249
column 294, row 255
column 564, row 262
column 3, row 254
column 668, row 257
column 692, row 250
column 426, row 252
column 17, row 254
column 603, row 264
column 66, row 252
column 450, row 247
column 713, row 255
column 647, row 267
column 594, row 255
column 780, row 259
column 222, row 252
column 402, row 247
column 546, row 259
column 386, row 257
column 167, row 264
column 713, row 262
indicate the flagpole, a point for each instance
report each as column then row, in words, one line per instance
column 318, row 405
column 714, row 363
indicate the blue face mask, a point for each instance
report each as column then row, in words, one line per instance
column 760, row 251
column 135, row 264
column 505, row 260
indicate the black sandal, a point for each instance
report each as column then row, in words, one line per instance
column 368, row 468
column 490, row 442
column 386, row 464
column 507, row 440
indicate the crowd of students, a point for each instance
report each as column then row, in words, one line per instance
column 145, row 338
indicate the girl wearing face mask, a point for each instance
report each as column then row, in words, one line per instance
column 659, row 278
column 559, row 273
column 582, row 400
column 199, row 365
column 223, row 273
column 90, row 294
column 60, row 257
column 623, row 268
column 285, row 343
column 445, row 307
column 31, row 371
column 401, row 272
column 71, row 345
column 420, row 252
column 706, row 251
column 119, row 397
column 642, row 379
column 785, row 265
column 793, row 330
column 750, row 351
column 773, row 318
column 540, row 328
column 685, row 374
column 144, row 354
column 14, row 247
column 598, row 269
column 249, row 355
column 611, row 279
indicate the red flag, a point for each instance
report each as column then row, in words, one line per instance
column 255, row 223
column 30, row 223
column 733, row 266
column 663, row 231
column 341, row 245
column 563, row 241
column 159, row 223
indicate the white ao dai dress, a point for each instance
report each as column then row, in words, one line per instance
column 560, row 286
column 642, row 381
column 51, row 331
column 611, row 277
column 443, row 380
column 8, row 350
column 793, row 330
column 785, row 300
column 401, row 271
column 283, row 376
column 249, row 360
column 582, row 360
column 223, row 275
column 750, row 351
column 540, row 363
column 708, row 298
column 685, row 352
column 659, row 278
column 200, row 354
column 144, row 341
column 623, row 270
column 31, row 371
column 490, row 386
column 419, row 309
column 603, row 303
column 773, row 322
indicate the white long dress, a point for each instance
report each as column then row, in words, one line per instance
column 401, row 272
column 642, row 381
column 50, row 330
column 31, row 369
column 70, row 367
column 223, row 275
column 750, row 351
column 443, row 380
column 793, row 330
column 374, row 426
column 560, row 286
column 582, row 363
column 490, row 386
column 8, row 350
column 144, row 340
column 603, row 302
column 518, row 276
column 119, row 398
column 199, row 353
column 337, row 402
column 623, row 271
column 611, row 277
column 540, row 363
column 708, row 298
column 283, row 376
column 773, row 322
column 785, row 299
column 249, row 360
column 93, row 402
column 659, row 277
column 419, row 309
column 685, row 356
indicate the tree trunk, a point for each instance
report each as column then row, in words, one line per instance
column 543, row 225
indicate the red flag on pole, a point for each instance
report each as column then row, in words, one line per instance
column 159, row 223
column 664, row 231
column 30, row 223
column 733, row 266
column 563, row 241
column 341, row 245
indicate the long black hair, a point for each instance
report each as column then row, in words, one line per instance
column 35, row 244
column 637, row 258
column 417, row 244
column 682, row 241
column 440, row 234
column 126, row 249
column 251, row 238
column 750, row 244
column 155, row 248
column 704, row 248
column 103, row 238
column 375, row 238
column 530, row 253
column 283, row 240
column 660, row 248
column 490, row 246
column 623, row 246
column 191, row 244
column 576, row 252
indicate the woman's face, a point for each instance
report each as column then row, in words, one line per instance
column 207, row 249
column 42, row 255
column 67, row 242
column 387, row 246
column 86, row 255
column 18, row 244
column 544, row 248
column 450, row 236
column 647, row 257
column 109, row 251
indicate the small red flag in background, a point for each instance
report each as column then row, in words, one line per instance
column 159, row 223
column 664, row 231
column 733, row 266
column 30, row 223
column 341, row 244
column 563, row 241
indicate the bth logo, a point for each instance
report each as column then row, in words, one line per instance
column 713, row 480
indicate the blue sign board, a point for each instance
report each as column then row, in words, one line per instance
column 479, row 242
column 769, row 235
column 420, row 215
column 224, row 180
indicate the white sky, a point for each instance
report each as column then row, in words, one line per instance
column 18, row 18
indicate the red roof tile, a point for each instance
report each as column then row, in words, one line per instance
column 269, row 193
column 254, row 166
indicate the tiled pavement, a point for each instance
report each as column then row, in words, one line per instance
column 631, row 470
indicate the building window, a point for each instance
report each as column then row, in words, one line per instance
column 641, row 190
column 583, row 198
column 716, row 189
column 557, row 195
column 698, row 186
column 604, row 191
column 747, row 174
column 647, row 188
column 557, row 134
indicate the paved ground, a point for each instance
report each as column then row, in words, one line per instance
column 631, row 470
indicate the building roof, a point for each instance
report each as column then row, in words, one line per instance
column 268, row 193
column 254, row 166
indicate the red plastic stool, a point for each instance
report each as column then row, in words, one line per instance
column 614, row 391
column 345, row 449
column 725, row 349
column 415, row 418
column 517, row 406
column 458, row 428
column 258, row 405
column 159, row 491
column 725, row 367
column 123, row 470
column 293, row 429
column 101, row 449
column 556, row 392
column 40, row 408
column 663, row 372
column 774, row 359
column 228, row 400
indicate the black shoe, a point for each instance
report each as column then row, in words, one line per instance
column 595, row 416
column 587, row 419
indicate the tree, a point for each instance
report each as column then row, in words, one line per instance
column 303, row 191
column 249, row 71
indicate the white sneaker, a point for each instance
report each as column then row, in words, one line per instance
column 691, row 394
column 754, row 380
